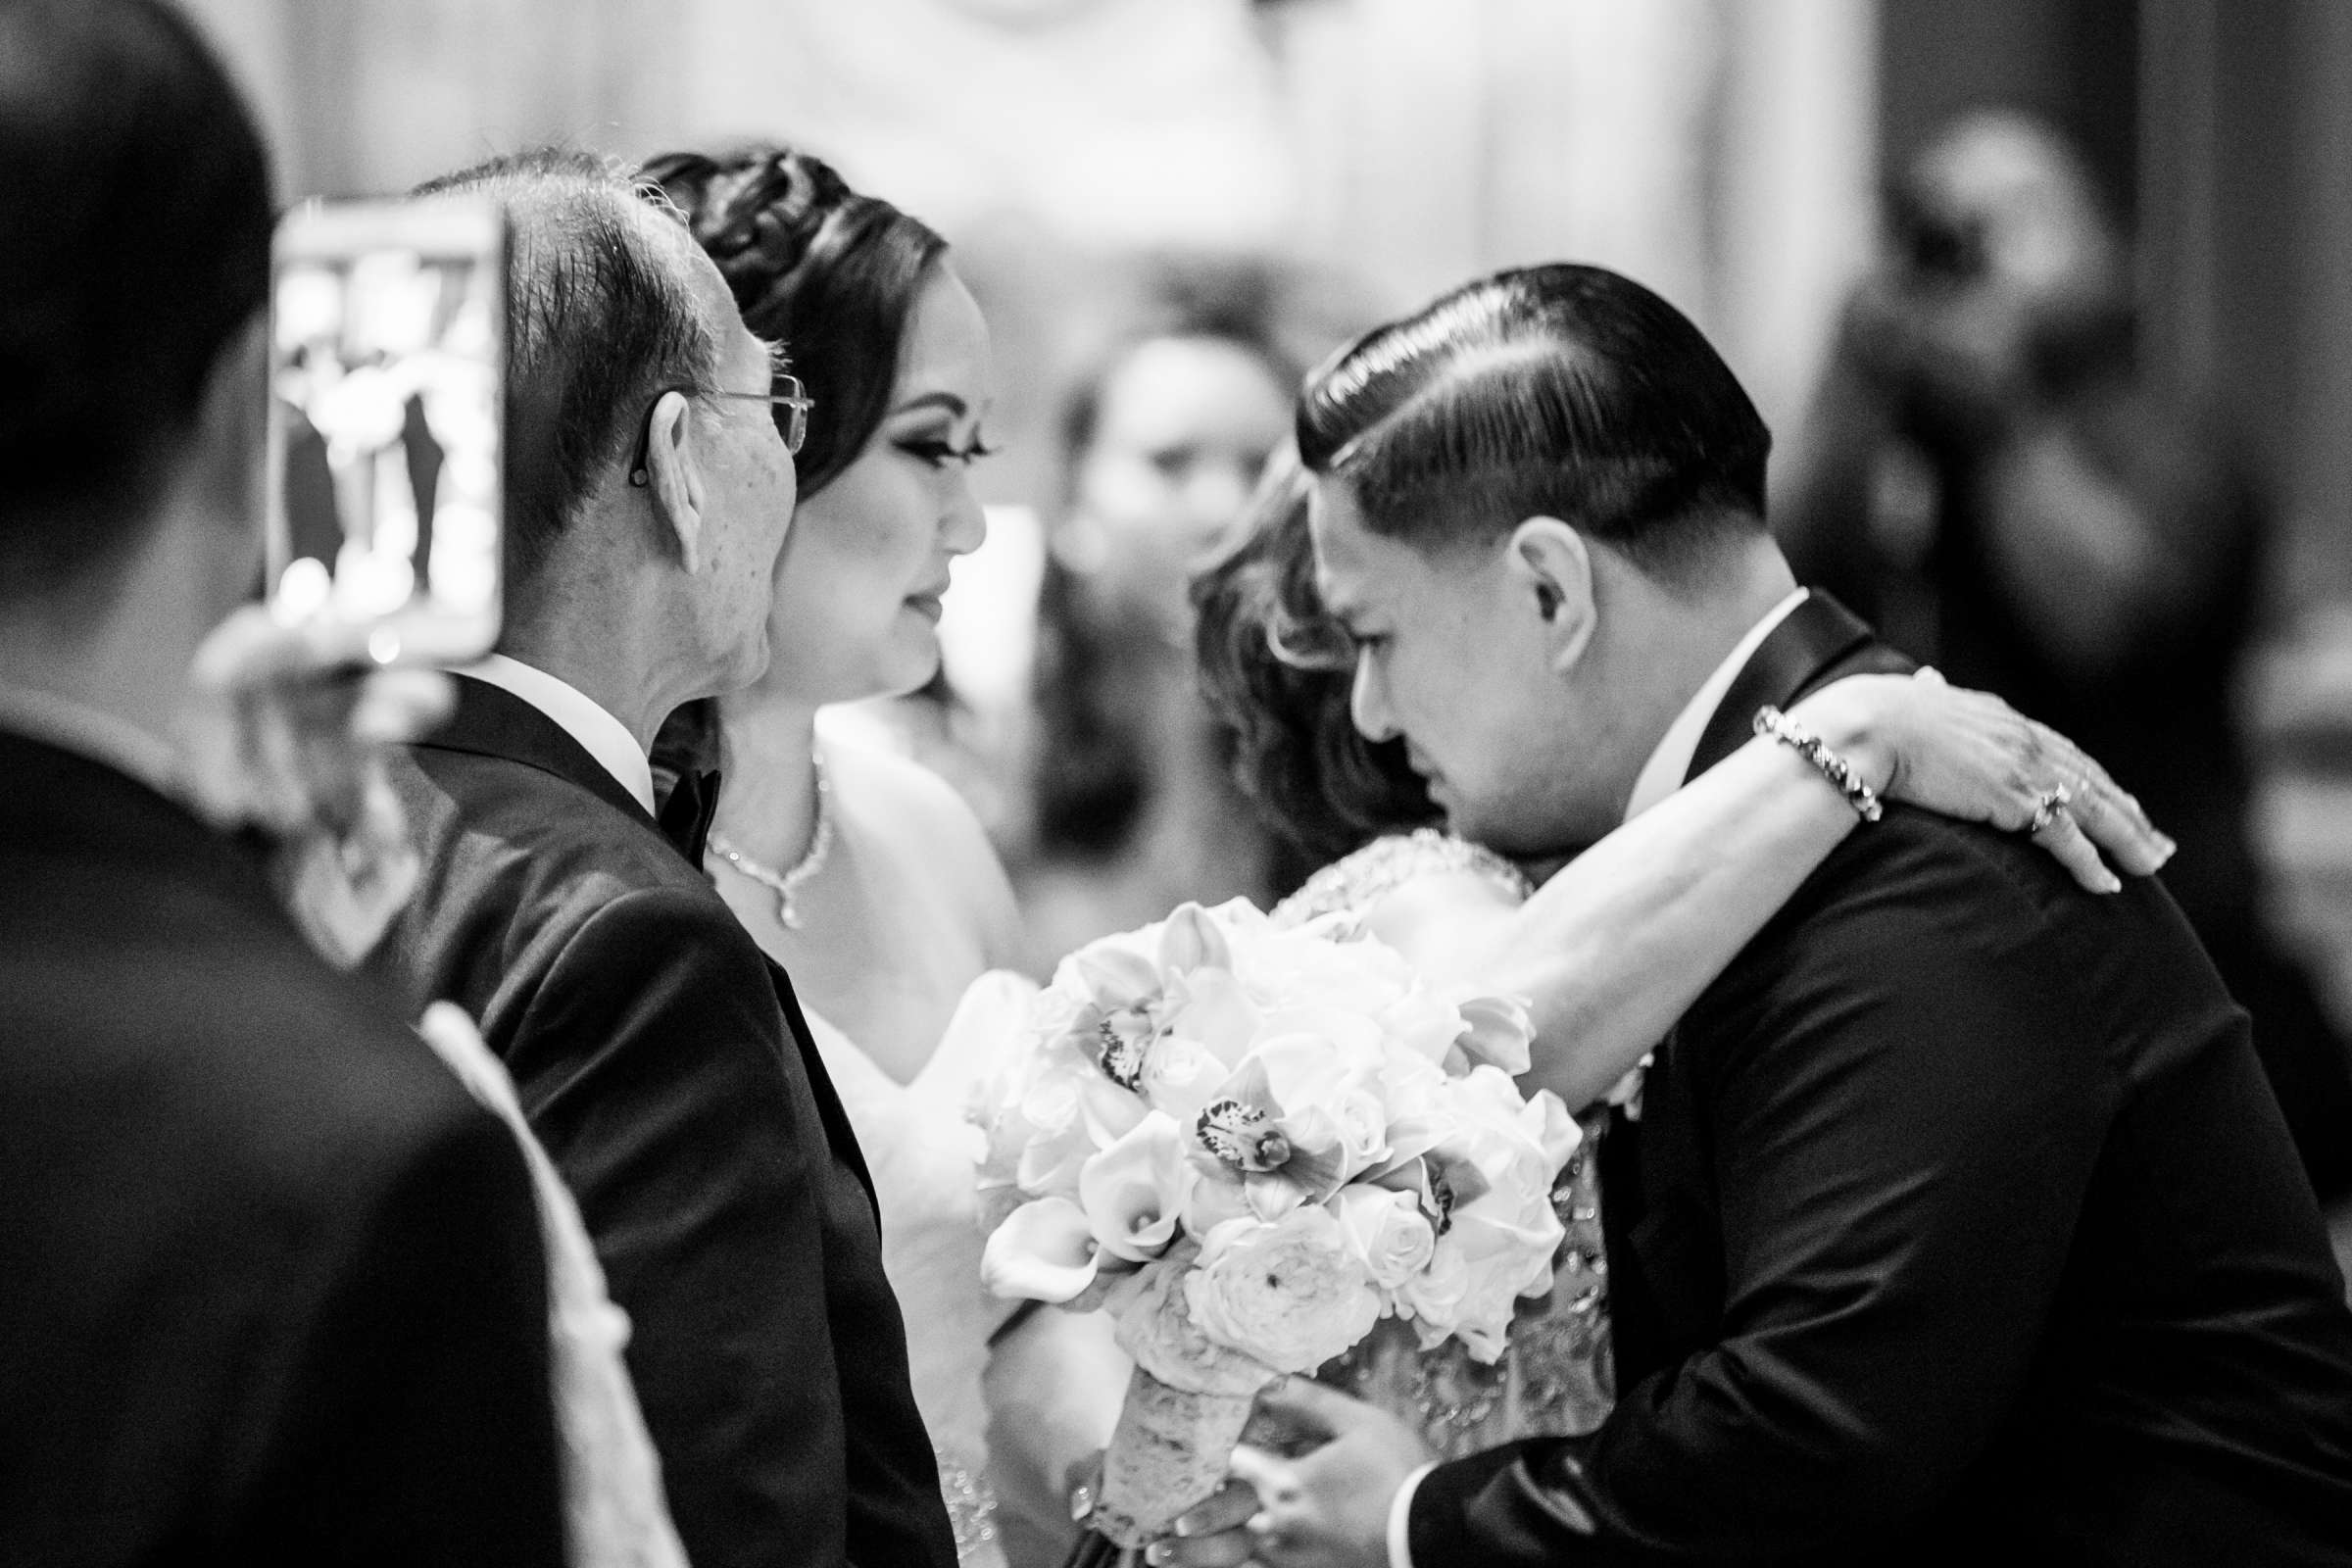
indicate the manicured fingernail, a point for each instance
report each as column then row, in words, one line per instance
column 1082, row 1502
column 2111, row 883
column 1156, row 1553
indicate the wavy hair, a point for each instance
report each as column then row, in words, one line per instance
column 1276, row 673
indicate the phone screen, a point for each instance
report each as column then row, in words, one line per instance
column 387, row 375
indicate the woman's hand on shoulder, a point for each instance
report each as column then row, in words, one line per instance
column 1969, row 756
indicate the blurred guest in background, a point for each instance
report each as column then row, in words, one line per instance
column 661, row 1057
column 1133, row 804
column 1988, row 476
column 860, row 872
column 276, row 1291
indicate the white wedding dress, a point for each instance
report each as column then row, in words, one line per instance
column 923, row 1153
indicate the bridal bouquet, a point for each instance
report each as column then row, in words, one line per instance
column 1250, row 1143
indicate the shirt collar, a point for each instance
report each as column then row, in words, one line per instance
column 1663, row 773
column 600, row 734
column 92, row 733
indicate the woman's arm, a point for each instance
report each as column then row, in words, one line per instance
column 1616, row 946
column 1055, row 1383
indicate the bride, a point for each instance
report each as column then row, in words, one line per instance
column 872, row 882
column 861, row 873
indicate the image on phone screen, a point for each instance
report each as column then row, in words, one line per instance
column 387, row 358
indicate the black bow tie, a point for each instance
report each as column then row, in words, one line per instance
column 686, row 814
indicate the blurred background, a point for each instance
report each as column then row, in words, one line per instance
column 2063, row 393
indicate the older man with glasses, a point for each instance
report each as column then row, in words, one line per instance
column 661, row 1059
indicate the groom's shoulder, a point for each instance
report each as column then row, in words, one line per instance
column 1920, row 899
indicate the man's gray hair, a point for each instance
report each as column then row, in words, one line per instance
column 603, row 320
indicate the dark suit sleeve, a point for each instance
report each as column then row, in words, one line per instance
column 652, row 1064
column 1903, row 1112
column 422, row 1423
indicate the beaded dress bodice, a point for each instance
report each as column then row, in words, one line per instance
column 1555, row 1378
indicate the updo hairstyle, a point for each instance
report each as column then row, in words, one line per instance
column 829, row 274
column 1276, row 672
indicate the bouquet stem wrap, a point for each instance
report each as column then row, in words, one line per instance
column 1169, row 1453
column 1188, row 1400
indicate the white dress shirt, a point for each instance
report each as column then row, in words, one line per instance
column 578, row 715
column 1663, row 773
column 1659, row 777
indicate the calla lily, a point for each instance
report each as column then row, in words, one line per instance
column 1501, row 1032
column 1134, row 1192
column 1044, row 1251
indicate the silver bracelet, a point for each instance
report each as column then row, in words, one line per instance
column 1841, row 773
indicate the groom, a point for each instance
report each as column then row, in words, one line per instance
column 1958, row 1223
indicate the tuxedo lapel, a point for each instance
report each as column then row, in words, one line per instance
column 1664, row 1280
column 830, row 1107
column 492, row 721
column 1815, row 637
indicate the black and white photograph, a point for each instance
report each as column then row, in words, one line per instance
column 1194, row 783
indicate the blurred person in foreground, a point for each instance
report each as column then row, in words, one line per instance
column 274, row 1287
column 661, row 1059
column 1957, row 1223
column 1129, row 794
column 860, row 872
column 1988, row 474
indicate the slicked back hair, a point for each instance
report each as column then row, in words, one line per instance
column 136, row 248
column 603, row 320
column 1564, row 391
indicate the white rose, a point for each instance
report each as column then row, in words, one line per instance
column 1134, row 1192
column 1388, row 1231
column 1218, row 1194
column 1291, row 1293
column 1154, row 1326
column 1180, row 1077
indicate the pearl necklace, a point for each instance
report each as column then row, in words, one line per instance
column 785, row 884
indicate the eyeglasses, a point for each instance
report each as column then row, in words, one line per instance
column 787, row 393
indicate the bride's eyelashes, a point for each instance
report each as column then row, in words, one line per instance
column 940, row 454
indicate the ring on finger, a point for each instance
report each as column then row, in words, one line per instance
column 2047, row 807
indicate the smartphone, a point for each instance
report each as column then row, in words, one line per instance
column 387, row 381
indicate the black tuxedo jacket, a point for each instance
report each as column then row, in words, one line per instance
column 664, row 1064
column 1959, row 1226
column 271, row 1283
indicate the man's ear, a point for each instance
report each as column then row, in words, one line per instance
column 674, row 474
column 231, row 423
column 1551, row 569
